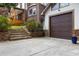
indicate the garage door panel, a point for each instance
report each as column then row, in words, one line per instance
column 61, row 26
column 61, row 21
column 58, row 21
column 59, row 29
column 60, row 36
column 61, row 33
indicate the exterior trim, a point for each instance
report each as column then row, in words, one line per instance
column 31, row 6
column 45, row 9
column 48, row 6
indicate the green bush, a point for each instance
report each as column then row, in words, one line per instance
column 3, row 23
column 32, row 25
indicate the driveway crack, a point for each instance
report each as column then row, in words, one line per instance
column 41, row 51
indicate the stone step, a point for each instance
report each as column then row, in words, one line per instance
column 17, row 38
column 18, row 35
column 16, row 31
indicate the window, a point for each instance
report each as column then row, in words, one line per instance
column 31, row 4
column 32, row 12
column 64, row 5
column 59, row 5
column 55, row 7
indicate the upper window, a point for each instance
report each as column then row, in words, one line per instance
column 63, row 5
column 59, row 5
column 55, row 7
column 32, row 12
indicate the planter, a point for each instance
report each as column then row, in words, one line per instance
column 4, row 36
column 74, row 40
column 37, row 34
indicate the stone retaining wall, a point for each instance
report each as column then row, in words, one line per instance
column 4, row 36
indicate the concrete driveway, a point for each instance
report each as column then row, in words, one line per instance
column 39, row 47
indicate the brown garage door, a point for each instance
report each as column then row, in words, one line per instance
column 61, row 26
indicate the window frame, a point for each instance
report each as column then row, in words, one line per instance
column 64, row 5
column 33, row 11
column 59, row 6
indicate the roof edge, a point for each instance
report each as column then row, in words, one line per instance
column 48, row 6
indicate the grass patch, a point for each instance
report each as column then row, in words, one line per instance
column 16, row 27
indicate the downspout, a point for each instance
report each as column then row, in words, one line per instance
column 59, row 7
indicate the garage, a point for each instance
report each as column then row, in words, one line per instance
column 61, row 26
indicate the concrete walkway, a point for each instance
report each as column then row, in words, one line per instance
column 39, row 47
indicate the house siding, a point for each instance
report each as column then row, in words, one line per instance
column 39, row 9
column 3, row 11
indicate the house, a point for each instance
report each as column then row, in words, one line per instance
column 61, row 20
column 34, row 11
column 22, row 7
column 3, row 11
column 18, row 15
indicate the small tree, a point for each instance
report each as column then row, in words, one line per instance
column 3, row 23
column 8, row 5
column 32, row 25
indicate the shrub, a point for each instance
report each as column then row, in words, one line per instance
column 15, row 22
column 3, row 23
column 32, row 25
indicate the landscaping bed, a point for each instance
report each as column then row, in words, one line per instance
column 35, row 28
column 37, row 34
column 16, row 27
column 4, row 34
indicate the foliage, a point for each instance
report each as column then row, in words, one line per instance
column 33, row 25
column 8, row 5
column 15, row 22
column 16, row 27
column 3, row 23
